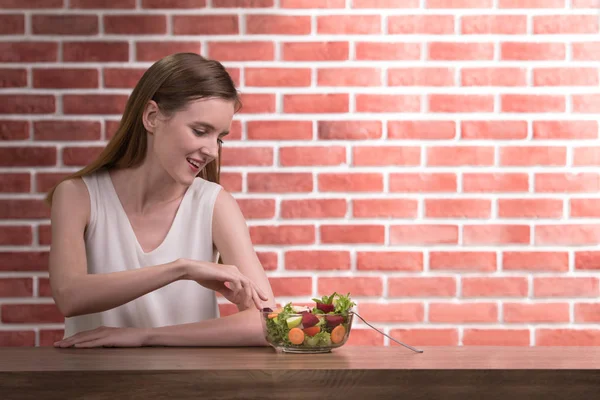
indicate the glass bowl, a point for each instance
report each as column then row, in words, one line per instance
column 306, row 332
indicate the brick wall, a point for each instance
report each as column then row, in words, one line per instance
column 436, row 158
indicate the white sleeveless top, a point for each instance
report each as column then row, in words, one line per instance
column 112, row 246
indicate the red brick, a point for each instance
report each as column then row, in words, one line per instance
column 313, row 208
column 388, row 155
column 274, row 77
column 458, row 208
column 315, row 51
column 495, row 182
column 535, row 312
column 206, row 24
column 23, row 209
column 409, row 261
column 279, row 130
column 28, row 52
column 532, row 51
column 589, row 312
column 423, row 182
column 95, row 51
column 586, row 51
column 71, row 24
column 533, row 155
column 10, row 4
column 257, row 208
column 17, row 338
column 303, row 156
column 570, row 235
column 460, row 155
column 532, row 103
column 94, row 103
column 12, row 77
column 15, row 182
column 477, row 261
column 495, row 287
column 494, row 24
column 380, row 3
column 44, row 235
column 257, row 103
column 530, row 208
column 460, row 103
column 352, row 234
column 424, row 130
column 493, row 77
column 320, row 260
column 348, row 77
column 63, row 78
column 349, row 24
column 463, row 313
column 15, row 236
column 241, row 51
column 566, row 287
column 301, row 286
column 16, row 287
column 122, row 77
column 586, row 103
column 551, row 182
column 565, row 130
column 264, row 24
column 49, row 336
column 269, row 260
column 315, row 103
column 459, row 3
column 586, row 156
column 23, row 260
column 585, row 208
column 312, row 3
column 423, row 234
column 531, row 3
column 280, row 182
column 493, row 130
column 80, row 156
column 350, row 182
column 425, row 337
column 277, row 235
column 358, row 286
column 44, row 181
column 242, row 3
column 385, row 208
column 392, row 312
column 136, row 24
column 231, row 181
column 27, row 156
column 422, row 287
column 565, row 24
column 496, row 234
column 12, row 24
column 245, row 156
column 154, row 51
column 585, row 4
column 364, row 337
column 387, row 103
column 30, row 313
column 421, row 24
column 387, row 51
column 448, row 51
column 349, row 130
column 496, row 337
column 27, row 104
column 567, row 337
column 565, row 77
column 430, row 76
column 100, row 4
column 535, row 261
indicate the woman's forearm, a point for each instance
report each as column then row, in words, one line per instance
column 240, row 329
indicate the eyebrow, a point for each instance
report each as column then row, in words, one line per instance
column 209, row 126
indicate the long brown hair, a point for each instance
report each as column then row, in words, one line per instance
column 171, row 82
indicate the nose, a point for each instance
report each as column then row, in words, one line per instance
column 210, row 151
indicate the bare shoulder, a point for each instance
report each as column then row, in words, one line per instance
column 71, row 198
column 226, row 209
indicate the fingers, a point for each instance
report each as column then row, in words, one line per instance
column 81, row 337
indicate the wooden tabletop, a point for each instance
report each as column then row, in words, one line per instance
column 374, row 373
column 266, row 358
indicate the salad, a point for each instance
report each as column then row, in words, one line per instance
column 326, row 324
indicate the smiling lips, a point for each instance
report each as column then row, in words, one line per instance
column 194, row 163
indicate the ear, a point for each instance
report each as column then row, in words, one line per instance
column 150, row 116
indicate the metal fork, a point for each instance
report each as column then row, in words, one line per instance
column 391, row 338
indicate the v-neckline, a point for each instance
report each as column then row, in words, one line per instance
column 121, row 210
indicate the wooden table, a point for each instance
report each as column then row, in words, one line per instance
column 370, row 373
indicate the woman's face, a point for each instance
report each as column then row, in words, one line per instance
column 186, row 141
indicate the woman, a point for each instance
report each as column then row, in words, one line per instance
column 136, row 234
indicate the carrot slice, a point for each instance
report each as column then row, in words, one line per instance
column 272, row 315
column 312, row 331
column 338, row 333
column 296, row 336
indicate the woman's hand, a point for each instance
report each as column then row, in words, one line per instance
column 227, row 280
column 105, row 337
